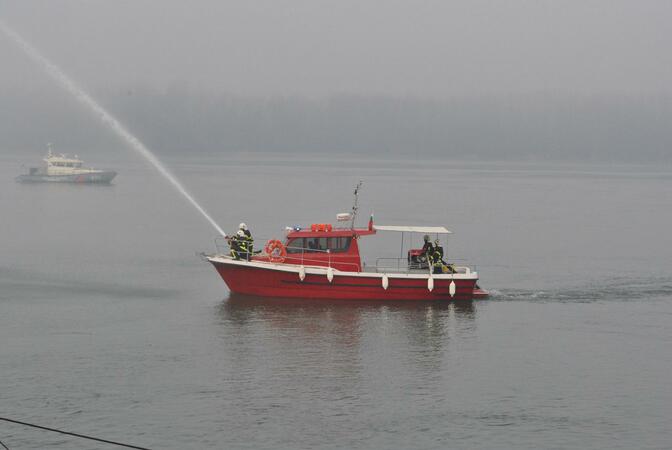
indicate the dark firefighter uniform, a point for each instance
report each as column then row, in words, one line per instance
column 428, row 249
column 437, row 262
column 249, row 243
column 240, row 246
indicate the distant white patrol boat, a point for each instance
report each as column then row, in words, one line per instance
column 63, row 169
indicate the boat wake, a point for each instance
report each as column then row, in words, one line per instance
column 609, row 290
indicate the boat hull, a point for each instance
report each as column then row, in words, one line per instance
column 273, row 280
column 102, row 177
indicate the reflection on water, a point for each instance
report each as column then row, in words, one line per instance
column 243, row 308
column 249, row 303
column 340, row 354
column 349, row 326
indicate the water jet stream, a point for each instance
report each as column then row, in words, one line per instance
column 107, row 118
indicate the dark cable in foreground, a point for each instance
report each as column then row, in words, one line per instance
column 83, row 436
column 6, row 448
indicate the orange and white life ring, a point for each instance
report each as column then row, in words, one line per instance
column 275, row 250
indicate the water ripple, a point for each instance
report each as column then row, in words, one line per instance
column 609, row 290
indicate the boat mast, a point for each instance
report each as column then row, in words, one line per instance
column 354, row 206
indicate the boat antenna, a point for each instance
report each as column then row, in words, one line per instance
column 50, row 147
column 354, row 206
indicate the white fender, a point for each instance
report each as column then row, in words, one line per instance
column 302, row 273
column 430, row 284
column 385, row 282
column 452, row 288
column 330, row 274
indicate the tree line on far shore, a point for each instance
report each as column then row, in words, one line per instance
column 541, row 127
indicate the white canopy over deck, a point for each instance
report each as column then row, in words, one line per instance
column 412, row 229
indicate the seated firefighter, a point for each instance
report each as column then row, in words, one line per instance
column 437, row 262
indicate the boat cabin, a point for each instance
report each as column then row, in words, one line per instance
column 62, row 164
column 323, row 245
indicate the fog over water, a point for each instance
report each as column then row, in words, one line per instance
column 319, row 48
column 522, row 80
column 538, row 131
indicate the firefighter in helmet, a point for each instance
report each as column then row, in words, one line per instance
column 436, row 258
column 438, row 264
column 427, row 249
column 248, row 238
column 238, row 245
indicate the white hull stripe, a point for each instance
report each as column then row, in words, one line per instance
column 314, row 270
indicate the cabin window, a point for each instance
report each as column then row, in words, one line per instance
column 299, row 245
column 78, row 165
column 317, row 244
column 295, row 245
column 339, row 244
column 68, row 164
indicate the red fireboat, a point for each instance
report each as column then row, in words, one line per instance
column 323, row 261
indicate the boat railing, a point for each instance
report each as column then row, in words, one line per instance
column 223, row 245
column 392, row 264
column 307, row 261
column 400, row 265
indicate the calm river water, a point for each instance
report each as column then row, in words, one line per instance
column 111, row 325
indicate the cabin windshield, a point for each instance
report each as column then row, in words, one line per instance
column 339, row 244
column 66, row 164
column 318, row 244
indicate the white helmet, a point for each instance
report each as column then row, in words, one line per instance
column 240, row 233
column 242, row 226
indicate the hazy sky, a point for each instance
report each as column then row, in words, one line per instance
column 318, row 48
